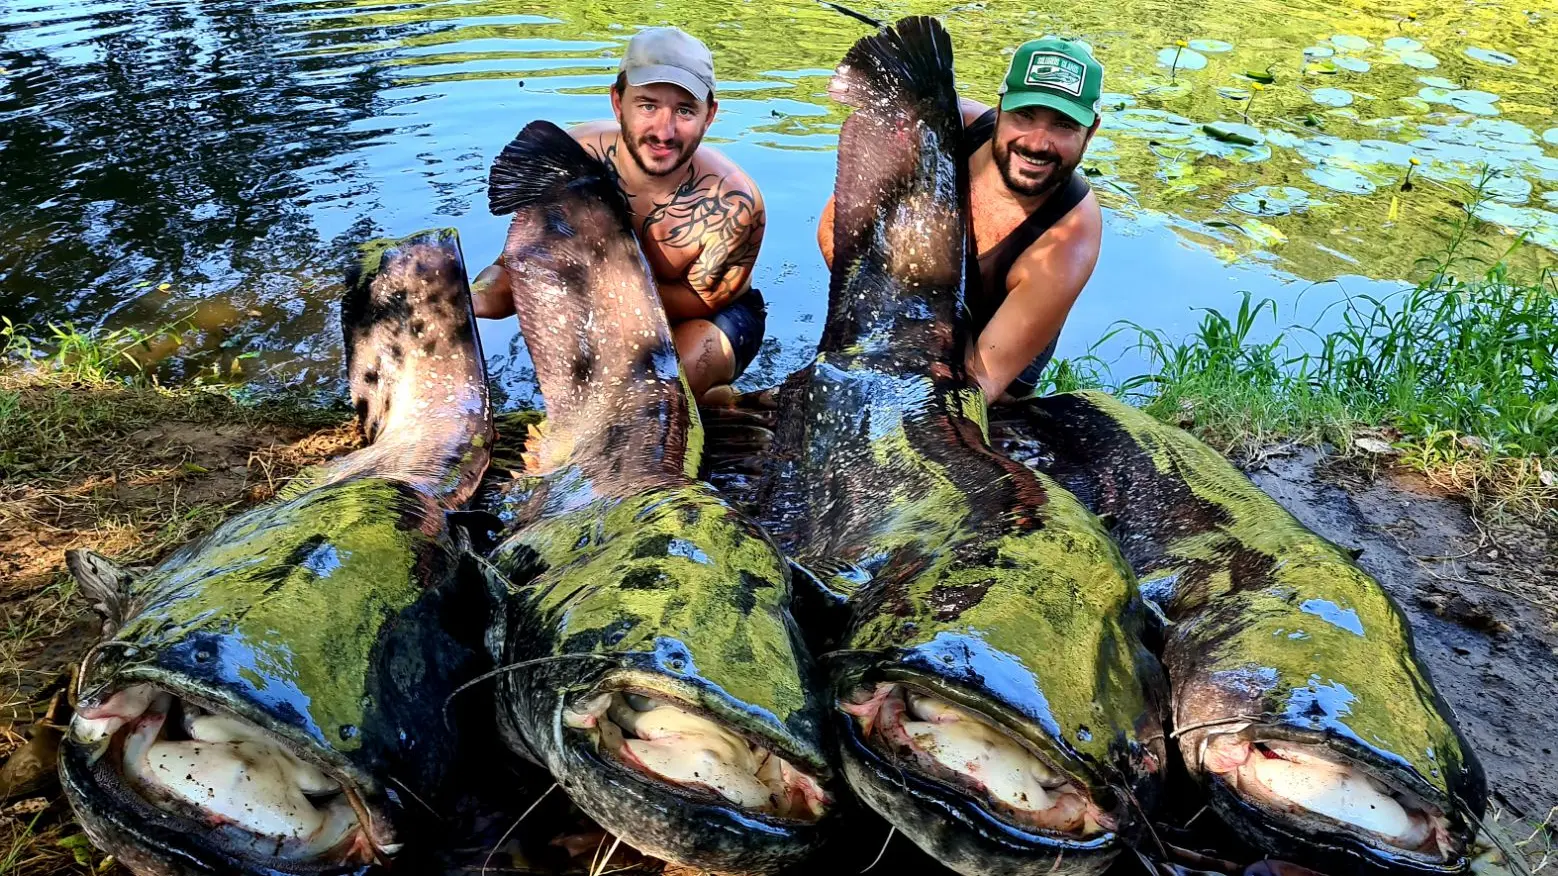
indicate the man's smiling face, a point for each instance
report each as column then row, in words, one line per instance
column 1038, row 148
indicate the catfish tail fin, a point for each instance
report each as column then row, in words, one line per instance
column 589, row 310
column 898, row 197
column 541, row 166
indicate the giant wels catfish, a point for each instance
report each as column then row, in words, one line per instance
column 264, row 694
column 646, row 653
column 1297, row 696
column 990, row 689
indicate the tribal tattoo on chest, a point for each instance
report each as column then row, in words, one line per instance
column 724, row 225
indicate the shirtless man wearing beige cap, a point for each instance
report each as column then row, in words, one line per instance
column 699, row 218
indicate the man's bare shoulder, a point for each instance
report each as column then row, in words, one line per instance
column 971, row 109
column 596, row 136
column 723, row 174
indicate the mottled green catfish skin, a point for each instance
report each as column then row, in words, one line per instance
column 279, row 614
column 674, row 580
column 331, row 617
column 618, row 571
column 1270, row 624
column 960, row 572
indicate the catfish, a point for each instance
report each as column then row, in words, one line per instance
column 266, row 697
column 646, row 654
column 989, row 687
column 1298, row 698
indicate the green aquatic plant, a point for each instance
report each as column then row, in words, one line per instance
column 1255, row 88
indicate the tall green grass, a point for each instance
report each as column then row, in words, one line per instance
column 1458, row 370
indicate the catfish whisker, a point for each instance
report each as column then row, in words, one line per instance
column 1220, row 722
column 890, row 831
column 503, row 670
column 507, row 833
column 609, row 852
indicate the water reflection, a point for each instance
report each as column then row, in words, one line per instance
column 162, row 154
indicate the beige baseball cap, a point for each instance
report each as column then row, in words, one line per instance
column 669, row 54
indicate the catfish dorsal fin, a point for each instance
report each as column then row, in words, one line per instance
column 104, row 583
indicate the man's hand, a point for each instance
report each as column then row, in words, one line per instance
column 491, row 297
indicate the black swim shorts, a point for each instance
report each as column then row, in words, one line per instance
column 743, row 322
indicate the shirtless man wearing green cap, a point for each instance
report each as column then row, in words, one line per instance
column 699, row 218
column 1035, row 226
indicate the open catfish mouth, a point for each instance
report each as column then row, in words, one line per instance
column 697, row 756
column 231, row 784
column 1320, row 789
column 976, row 759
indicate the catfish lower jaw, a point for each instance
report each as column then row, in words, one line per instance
column 694, row 755
column 971, row 756
column 222, row 781
column 1317, row 789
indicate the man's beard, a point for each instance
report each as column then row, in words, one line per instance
column 1059, row 171
column 683, row 155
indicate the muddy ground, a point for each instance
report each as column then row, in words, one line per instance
column 1482, row 599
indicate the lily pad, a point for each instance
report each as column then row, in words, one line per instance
column 1319, row 52
column 1335, row 97
column 1551, row 198
column 1402, row 44
column 1517, row 218
column 1233, row 93
column 1351, row 64
column 1117, row 100
column 1340, row 179
column 1160, row 88
column 1234, row 132
column 1472, row 105
column 1189, row 59
column 1154, row 123
column 1211, row 47
column 1418, row 60
column 1439, row 82
column 1550, row 136
column 1349, row 43
column 1489, row 56
column 1261, row 233
column 1416, row 104
column 1271, row 201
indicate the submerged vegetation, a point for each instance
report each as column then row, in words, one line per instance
column 1457, row 375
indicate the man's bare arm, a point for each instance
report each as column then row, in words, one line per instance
column 1042, row 286
column 727, row 228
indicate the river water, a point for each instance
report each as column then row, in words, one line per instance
column 210, row 160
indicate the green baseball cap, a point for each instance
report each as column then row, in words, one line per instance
column 1060, row 74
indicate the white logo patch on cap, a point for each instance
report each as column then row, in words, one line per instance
column 1054, row 70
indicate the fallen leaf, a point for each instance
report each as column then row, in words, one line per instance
column 164, row 287
column 1373, row 445
column 1547, row 478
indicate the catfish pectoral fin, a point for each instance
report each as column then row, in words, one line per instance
column 105, row 583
